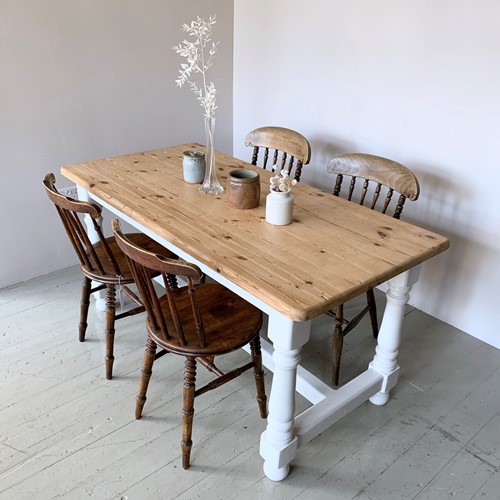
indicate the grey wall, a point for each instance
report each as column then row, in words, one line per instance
column 82, row 80
column 416, row 81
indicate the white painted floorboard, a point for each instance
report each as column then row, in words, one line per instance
column 66, row 432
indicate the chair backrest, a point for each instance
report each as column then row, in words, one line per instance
column 165, row 326
column 286, row 143
column 380, row 171
column 70, row 211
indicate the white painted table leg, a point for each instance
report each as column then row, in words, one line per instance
column 100, row 296
column 389, row 337
column 278, row 444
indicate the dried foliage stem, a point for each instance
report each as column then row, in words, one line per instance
column 199, row 56
column 198, row 61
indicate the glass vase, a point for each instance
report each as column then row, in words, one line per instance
column 210, row 184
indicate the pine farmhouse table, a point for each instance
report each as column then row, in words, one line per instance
column 333, row 251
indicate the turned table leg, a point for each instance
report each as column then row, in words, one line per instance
column 389, row 337
column 278, row 444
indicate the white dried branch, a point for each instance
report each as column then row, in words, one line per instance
column 198, row 61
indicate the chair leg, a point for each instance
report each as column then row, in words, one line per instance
column 372, row 308
column 337, row 344
column 84, row 308
column 258, row 373
column 188, row 410
column 147, row 370
column 110, row 330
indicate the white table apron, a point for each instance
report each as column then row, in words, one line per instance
column 286, row 432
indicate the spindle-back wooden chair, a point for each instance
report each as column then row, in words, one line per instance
column 291, row 149
column 198, row 321
column 101, row 261
column 376, row 175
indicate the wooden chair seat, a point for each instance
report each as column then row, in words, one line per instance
column 102, row 262
column 229, row 321
column 198, row 321
column 379, row 179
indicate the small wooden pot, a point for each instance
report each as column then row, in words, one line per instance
column 243, row 188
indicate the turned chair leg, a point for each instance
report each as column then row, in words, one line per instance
column 259, row 376
column 188, row 410
column 338, row 342
column 84, row 308
column 372, row 308
column 147, row 370
column 110, row 330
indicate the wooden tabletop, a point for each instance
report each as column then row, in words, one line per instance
column 333, row 251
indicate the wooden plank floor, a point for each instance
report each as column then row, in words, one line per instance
column 66, row 432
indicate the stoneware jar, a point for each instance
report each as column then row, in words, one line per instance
column 279, row 208
column 243, row 188
column 193, row 166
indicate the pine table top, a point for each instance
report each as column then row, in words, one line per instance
column 333, row 251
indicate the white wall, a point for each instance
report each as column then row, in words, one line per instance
column 416, row 81
column 82, row 80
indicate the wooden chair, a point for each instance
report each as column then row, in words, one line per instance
column 198, row 321
column 380, row 178
column 286, row 143
column 102, row 262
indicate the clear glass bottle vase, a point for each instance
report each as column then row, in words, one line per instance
column 210, row 184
